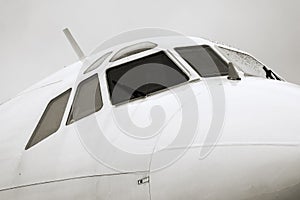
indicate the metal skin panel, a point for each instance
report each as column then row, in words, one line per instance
column 231, row 172
column 257, row 155
column 92, row 188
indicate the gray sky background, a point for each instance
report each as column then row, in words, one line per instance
column 32, row 45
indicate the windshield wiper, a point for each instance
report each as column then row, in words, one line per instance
column 270, row 74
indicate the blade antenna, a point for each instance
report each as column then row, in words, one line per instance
column 74, row 44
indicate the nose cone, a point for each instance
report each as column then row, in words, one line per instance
column 262, row 111
column 257, row 155
column 284, row 100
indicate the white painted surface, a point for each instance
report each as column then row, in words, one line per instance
column 256, row 157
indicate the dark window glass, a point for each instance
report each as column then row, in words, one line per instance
column 50, row 120
column 204, row 60
column 87, row 99
column 143, row 76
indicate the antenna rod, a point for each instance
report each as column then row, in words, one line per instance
column 74, row 44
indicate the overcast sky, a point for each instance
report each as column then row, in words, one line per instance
column 32, row 45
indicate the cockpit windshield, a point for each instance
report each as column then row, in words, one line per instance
column 142, row 77
column 248, row 64
column 205, row 61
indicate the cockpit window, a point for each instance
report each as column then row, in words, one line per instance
column 142, row 77
column 50, row 120
column 87, row 99
column 248, row 64
column 204, row 60
column 133, row 49
column 97, row 63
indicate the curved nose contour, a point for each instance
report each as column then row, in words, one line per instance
column 256, row 157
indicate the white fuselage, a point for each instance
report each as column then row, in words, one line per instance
column 255, row 153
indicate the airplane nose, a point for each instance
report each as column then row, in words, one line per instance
column 284, row 112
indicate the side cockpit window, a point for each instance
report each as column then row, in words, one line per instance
column 205, row 61
column 142, row 77
column 87, row 99
column 50, row 120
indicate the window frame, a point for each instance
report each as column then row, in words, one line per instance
column 221, row 57
column 169, row 54
column 69, row 122
column 219, row 48
column 98, row 62
column 29, row 144
column 132, row 50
